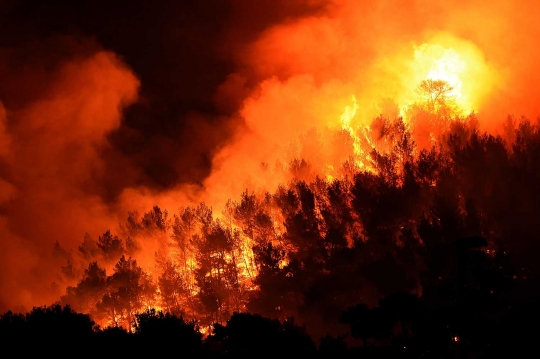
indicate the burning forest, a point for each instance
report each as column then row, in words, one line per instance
column 330, row 173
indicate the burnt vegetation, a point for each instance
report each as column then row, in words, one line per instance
column 372, row 262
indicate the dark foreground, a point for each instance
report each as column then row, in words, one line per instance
column 399, row 328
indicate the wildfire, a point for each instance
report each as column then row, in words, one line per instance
column 359, row 134
column 441, row 80
column 457, row 64
column 209, row 263
column 443, row 64
column 346, row 119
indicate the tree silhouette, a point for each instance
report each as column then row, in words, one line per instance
column 88, row 291
column 89, row 249
column 151, row 325
column 252, row 334
column 432, row 116
column 370, row 325
column 173, row 288
column 46, row 322
column 111, row 246
column 130, row 290
column 435, row 92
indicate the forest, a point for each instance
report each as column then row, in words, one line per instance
column 425, row 246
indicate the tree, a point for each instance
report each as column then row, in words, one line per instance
column 58, row 321
column 89, row 248
column 245, row 212
column 184, row 228
column 155, row 220
column 88, row 291
column 367, row 324
column 217, row 274
column 405, row 310
column 111, row 247
column 172, row 288
column 432, row 115
column 111, row 308
column 434, row 92
column 130, row 290
column 159, row 326
column 252, row 334
column 270, row 298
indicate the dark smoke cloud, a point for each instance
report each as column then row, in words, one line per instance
column 102, row 102
column 181, row 51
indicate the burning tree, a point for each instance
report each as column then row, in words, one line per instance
column 435, row 93
column 313, row 249
column 129, row 290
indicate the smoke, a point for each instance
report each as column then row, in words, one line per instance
column 52, row 167
column 306, row 70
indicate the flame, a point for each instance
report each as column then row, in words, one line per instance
column 346, row 118
column 459, row 63
column 445, row 60
column 443, row 64
column 360, row 142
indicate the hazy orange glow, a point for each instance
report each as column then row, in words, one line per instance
column 52, row 147
column 459, row 63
